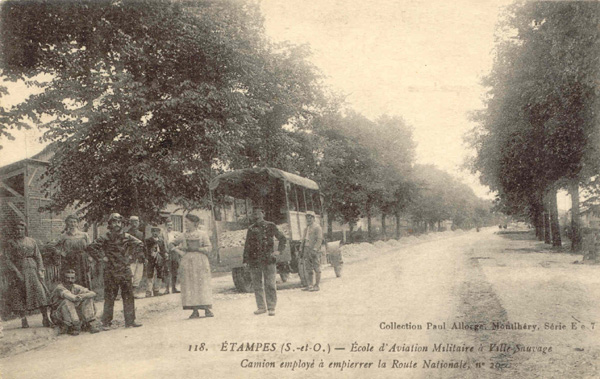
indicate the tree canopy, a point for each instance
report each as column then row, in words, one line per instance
column 539, row 130
column 144, row 101
column 147, row 98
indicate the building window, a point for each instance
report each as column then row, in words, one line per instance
column 177, row 223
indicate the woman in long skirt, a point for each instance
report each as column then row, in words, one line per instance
column 72, row 244
column 27, row 291
column 196, row 291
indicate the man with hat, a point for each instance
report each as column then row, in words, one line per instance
column 311, row 251
column 115, row 249
column 136, row 262
column 259, row 255
column 73, row 306
column 156, row 254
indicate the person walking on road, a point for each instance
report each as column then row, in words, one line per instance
column 114, row 250
column 260, row 257
column 73, row 306
column 311, row 251
column 196, row 290
column 27, row 289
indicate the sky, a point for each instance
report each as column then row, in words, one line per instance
column 422, row 60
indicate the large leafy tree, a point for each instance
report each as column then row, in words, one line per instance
column 147, row 98
column 442, row 197
column 361, row 165
column 539, row 131
column 393, row 141
column 339, row 165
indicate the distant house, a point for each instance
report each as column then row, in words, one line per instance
column 590, row 217
column 22, row 197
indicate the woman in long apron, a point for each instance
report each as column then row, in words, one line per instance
column 72, row 244
column 196, row 290
column 27, row 289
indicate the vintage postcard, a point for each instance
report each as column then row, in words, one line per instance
column 299, row 189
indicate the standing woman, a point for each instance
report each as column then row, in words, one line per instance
column 28, row 291
column 72, row 244
column 196, row 291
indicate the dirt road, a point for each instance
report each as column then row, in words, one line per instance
column 473, row 306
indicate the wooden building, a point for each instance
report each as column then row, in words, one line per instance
column 22, row 198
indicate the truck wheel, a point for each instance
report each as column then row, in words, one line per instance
column 284, row 276
column 242, row 279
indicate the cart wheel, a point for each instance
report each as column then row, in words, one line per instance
column 284, row 276
column 242, row 279
column 338, row 270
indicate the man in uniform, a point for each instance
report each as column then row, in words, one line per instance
column 137, row 262
column 172, row 264
column 156, row 254
column 259, row 255
column 115, row 249
column 73, row 306
column 311, row 250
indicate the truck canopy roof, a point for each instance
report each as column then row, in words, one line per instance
column 245, row 182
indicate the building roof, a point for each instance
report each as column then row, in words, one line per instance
column 594, row 209
column 43, row 157
column 243, row 183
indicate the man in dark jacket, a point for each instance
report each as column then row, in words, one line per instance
column 115, row 250
column 260, row 257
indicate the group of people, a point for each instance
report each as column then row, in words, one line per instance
column 126, row 255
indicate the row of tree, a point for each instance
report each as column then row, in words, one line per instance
column 539, row 131
column 148, row 100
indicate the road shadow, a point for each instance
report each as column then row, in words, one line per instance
column 518, row 235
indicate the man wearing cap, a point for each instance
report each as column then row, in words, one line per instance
column 259, row 255
column 156, row 254
column 115, row 249
column 136, row 262
column 311, row 251
column 73, row 306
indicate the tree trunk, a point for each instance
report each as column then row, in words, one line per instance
column 538, row 223
column 383, row 231
column 576, row 240
column 439, row 226
column 329, row 228
column 554, row 224
column 547, row 236
column 369, row 232
column 351, row 233
column 397, row 226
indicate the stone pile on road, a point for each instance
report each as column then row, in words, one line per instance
column 232, row 238
column 237, row 238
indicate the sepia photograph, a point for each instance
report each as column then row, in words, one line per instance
column 299, row 189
